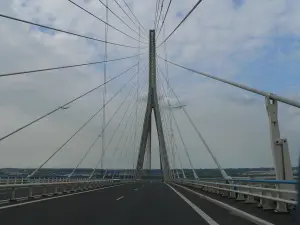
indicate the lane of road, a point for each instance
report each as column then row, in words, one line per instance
column 220, row 215
column 155, row 203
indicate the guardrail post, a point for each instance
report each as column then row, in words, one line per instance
column 76, row 186
column 218, row 191
column 224, row 193
column 212, row 189
column 73, row 189
column 30, row 196
column 79, row 187
column 56, row 190
column 240, row 196
column 232, row 194
column 250, row 199
column 209, row 189
column 64, row 189
column 280, row 206
column 85, row 187
column 44, row 191
column 266, row 203
column 260, row 204
column 13, row 195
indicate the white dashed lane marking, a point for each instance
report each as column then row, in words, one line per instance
column 119, row 198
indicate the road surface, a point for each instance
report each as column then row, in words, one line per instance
column 150, row 203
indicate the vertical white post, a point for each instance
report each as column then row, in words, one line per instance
column 280, row 152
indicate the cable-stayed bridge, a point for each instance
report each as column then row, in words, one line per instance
column 121, row 186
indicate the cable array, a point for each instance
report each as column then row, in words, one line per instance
column 139, row 35
column 65, row 67
column 137, row 26
column 135, row 16
column 106, row 147
column 196, row 129
column 136, row 116
column 187, row 15
column 81, row 127
column 64, row 105
column 164, row 19
column 128, row 131
column 100, row 134
column 64, row 31
column 105, row 22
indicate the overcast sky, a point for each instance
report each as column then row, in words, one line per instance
column 254, row 42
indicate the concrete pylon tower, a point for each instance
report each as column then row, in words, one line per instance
column 152, row 104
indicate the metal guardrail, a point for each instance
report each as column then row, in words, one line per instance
column 38, row 180
column 253, row 180
column 265, row 193
column 30, row 189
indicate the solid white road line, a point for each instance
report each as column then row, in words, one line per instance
column 136, row 189
column 62, row 196
column 119, row 198
column 206, row 217
column 236, row 211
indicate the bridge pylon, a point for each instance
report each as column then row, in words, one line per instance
column 152, row 105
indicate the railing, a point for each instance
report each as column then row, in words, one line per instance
column 266, row 193
column 16, row 180
column 23, row 189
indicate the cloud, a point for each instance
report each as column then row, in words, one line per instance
column 225, row 38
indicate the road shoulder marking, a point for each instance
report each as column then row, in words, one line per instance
column 238, row 212
column 206, row 217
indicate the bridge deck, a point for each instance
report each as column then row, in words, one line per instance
column 140, row 203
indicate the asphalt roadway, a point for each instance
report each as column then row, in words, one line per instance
column 149, row 203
